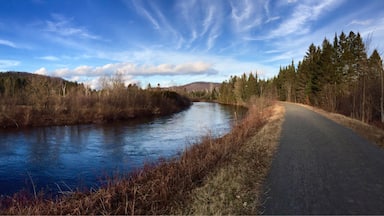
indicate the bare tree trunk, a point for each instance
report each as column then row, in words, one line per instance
column 363, row 111
column 64, row 87
column 334, row 98
column 288, row 87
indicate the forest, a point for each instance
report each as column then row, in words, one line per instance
column 33, row 100
column 338, row 77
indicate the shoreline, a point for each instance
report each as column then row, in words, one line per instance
column 158, row 188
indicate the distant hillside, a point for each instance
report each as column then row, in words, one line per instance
column 27, row 75
column 197, row 86
column 15, row 83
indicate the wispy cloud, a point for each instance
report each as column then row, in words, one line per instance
column 188, row 10
column 189, row 22
column 63, row 26
column 360, row 22
column 6, row 64
column 208, row 20
column 159, row 21
column 7, row 43
column 167, row 28
column 303, row 14
column 49, row 58
column 268, row 13
column 211, row 25
column 246, row 14
column 145, row 13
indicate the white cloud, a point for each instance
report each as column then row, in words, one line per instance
column 41, row 71
column 190, row 68
column 157, row 65
column 299, row 22
column 188, row 10
column 246, row 14
column 160, row 22
column 361, row 22
column 223, row 65
column 83, row 70
column 212, row 25
column 7, row 43
column 63, row 26
column 49, row 58
column 271, row 19
column 143, row 12
column 130, row 69
column 193, row 23
column 6, row 64
column 209, row 19
column 90, row 75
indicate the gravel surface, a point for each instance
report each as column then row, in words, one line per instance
column 322, row 167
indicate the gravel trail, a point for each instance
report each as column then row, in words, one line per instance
column 322, row 167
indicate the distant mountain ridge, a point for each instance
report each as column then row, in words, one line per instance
column 197, row 86
column 23, row 76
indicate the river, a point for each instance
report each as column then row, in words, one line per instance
column 80, row 156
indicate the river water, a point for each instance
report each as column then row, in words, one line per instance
column 81, row 156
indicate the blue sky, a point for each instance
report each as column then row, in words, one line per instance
column 173, row 42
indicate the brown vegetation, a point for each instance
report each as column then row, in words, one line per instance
column 34, row 100
column 235, row 186
column 163, row 188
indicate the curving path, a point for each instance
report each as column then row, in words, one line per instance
column 322, row 167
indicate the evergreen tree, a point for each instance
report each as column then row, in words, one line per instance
column 338, row 77
column 375, row 87
column 252, row 86
column 329, row 80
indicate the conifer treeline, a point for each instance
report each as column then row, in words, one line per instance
column 239, row 89
column 338, row 77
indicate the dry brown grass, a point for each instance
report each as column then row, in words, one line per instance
column 93, row 108
column 370, row 132
column 236, row 185
column 166, row 187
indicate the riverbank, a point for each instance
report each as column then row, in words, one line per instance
column 235, row 186
column 94, row 109
column 166, row 187
column 29, row 100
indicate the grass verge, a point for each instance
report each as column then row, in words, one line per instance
column 172, row 186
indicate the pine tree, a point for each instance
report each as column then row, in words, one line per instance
column 338, row 77
column 303, row 78
column 309, row 76
column 329, row 79
column 252, row 85
column 375, row 87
